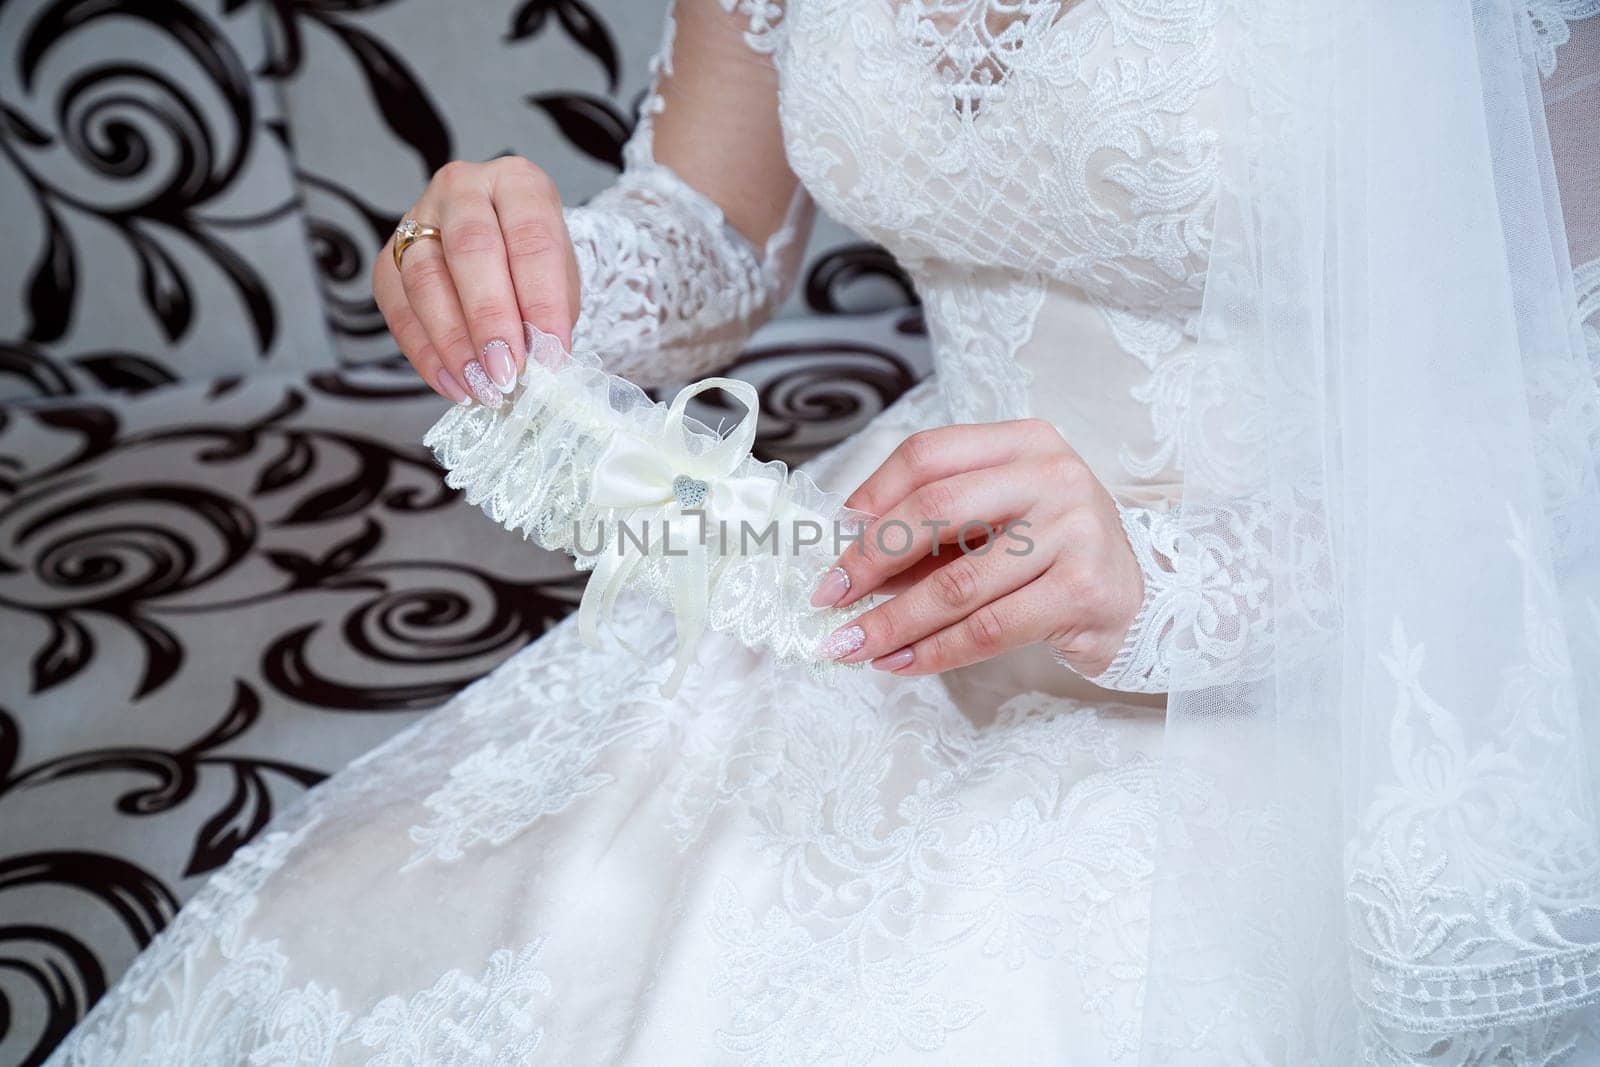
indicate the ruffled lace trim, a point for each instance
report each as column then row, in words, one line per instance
column 530, row 466
column 1206, row 614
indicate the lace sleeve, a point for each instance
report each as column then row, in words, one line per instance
column 1207, row 618
column 1204, row 614
column 1219, row 605
column 672, row 281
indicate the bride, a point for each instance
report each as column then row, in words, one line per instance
column 1279, row 745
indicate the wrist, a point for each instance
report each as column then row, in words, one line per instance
column 1133, row 662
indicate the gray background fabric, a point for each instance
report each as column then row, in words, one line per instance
column 227, row 567
column 196, row 189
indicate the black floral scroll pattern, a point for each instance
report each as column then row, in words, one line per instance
column 54, row 964
column 345, row 232
column 166, row 174
column 221, row 590
column 344, row 229
column 593, row 124
column 161, row 163
column 836, row 277
column 148, row 160
column 582, row 23
column 58, row 963
column 242, row 554
column 403, row 102
column 133, row 551
column 415, row 613
column 141, row 543
column 171, row 777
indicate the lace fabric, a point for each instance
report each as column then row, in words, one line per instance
column 670, row 289
column 1204, row 619
column 535, row 466
column 1013, row 154
column 1412, row 748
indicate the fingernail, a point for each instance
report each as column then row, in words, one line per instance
column 502, row 367
column 834, row 584
column 451, row 388
column 486, row 391
column 842, row 642
column 893, row 661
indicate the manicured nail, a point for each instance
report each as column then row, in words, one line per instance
column 893, row 661
column 842, row 642
column 451, row 388
column 502, row 367
column 486, row 391
column 834, row 584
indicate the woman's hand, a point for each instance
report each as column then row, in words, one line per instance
column 457, row 307
column 1057, row 567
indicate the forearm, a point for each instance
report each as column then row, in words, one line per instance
column 670, row 290
column 700, row 239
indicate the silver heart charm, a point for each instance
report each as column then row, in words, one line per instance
column 691, row 492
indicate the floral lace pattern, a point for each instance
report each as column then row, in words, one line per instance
column 1054, row 876
column 169, row 1010
column 1550, row 19
column 1204, row 613
column 506, row 785
column 975, row 331
column 1508, row 974
column 838, row 968
column 669, row 289
column 245, row 1012
column 1047, row 145
column 533, row 466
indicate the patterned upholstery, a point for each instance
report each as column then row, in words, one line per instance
column 227, row 567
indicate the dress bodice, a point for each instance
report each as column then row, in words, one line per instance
column 1046, row 173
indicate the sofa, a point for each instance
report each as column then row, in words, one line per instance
column 227, row 565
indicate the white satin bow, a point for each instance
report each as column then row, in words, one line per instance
column 636, row 476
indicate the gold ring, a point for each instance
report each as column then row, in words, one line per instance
column 409, row 233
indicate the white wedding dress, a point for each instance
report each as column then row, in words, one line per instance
column 562, row 866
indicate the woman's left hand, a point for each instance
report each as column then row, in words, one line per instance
column 1057, row 569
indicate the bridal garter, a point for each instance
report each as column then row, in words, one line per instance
column 651, row 501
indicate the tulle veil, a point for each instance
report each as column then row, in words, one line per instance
column 1394, row 687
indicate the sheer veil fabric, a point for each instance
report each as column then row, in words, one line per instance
column 1394, row 682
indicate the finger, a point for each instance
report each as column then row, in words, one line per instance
column 957, row 510
column 538, row 249
column 408, row 333
column 431, row 293
column 1021, row 617
column 963, row 587
column 475, row 253
column 929, row 455
column 832, row 585
column 896, row 584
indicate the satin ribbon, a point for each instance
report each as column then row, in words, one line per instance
column 635, row 475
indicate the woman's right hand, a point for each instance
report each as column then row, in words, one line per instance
column 456, row 308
